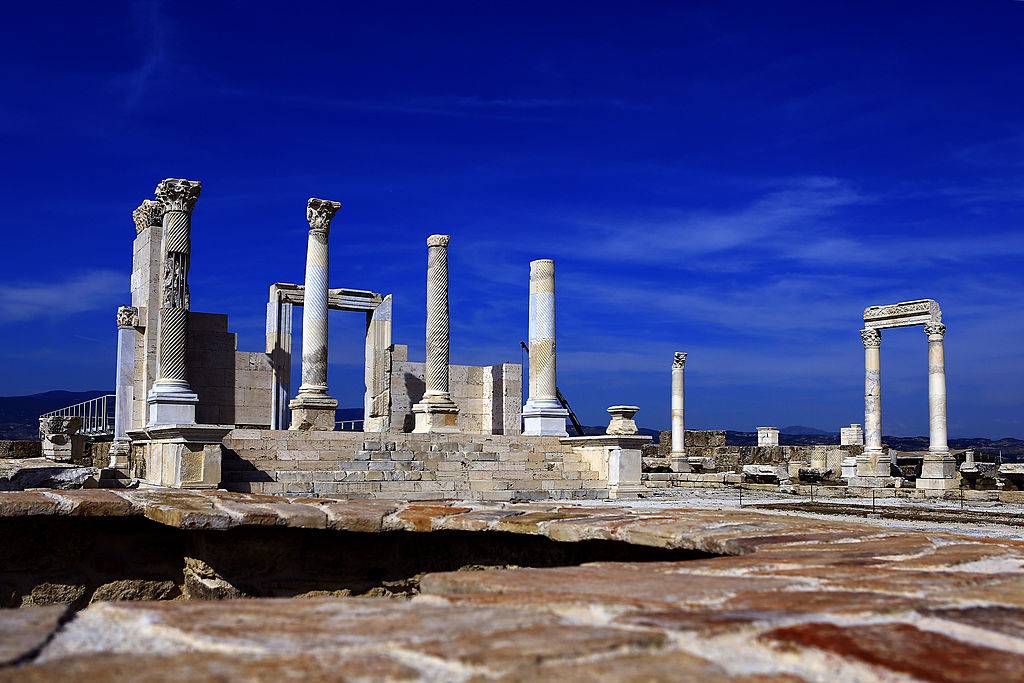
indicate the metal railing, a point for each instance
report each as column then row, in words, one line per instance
column 97, row 415
column 349, row 425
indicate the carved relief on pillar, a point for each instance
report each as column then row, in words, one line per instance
column 176, row 293
column 127, row 316
column 148, row 214
column 320, row 213
column 872, row 338
column 935, row 331
column 679, row 360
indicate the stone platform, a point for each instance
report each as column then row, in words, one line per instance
column 784, row 598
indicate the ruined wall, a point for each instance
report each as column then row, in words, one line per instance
column 490, row 398
column 406, row 466
column 234, row 387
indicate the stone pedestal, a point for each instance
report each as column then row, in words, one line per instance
column 616, row 458
column 180, row 456
column 851, row 436
column 312, row 407
column 622, row 423
column 437, row 411
column 767, row 436
column 61, row 441
column 543, row 414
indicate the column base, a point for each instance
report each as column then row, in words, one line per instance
column 119, row 452
column 938, row 471
column 679, row 462
column 171, row 404
column 873, row 464
column 849, row 467
column 181, row 456
column 313, row 412
column 436, row 416
column 544, row 418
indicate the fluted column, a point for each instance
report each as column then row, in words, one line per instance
column 939, row 470
column 312, row 407
column 171, row 399
column 678, row 455
column 543, row 414
column 437, row 412
column 127, row 320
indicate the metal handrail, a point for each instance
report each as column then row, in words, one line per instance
column 349, row 425
column 97, row 415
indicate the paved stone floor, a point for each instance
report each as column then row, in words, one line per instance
column 794, row 597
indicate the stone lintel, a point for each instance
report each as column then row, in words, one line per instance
column 903, row 314
column 338, row 299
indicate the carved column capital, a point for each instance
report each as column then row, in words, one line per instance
column 679, row 360
column 320, row 213
column 147, row 214
column 872, row 338
column 935, row 331
column 178, row 194
column 438, row 240
column 127, row 316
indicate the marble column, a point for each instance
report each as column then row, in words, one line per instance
column 171, row 399
column 543, row 414
column 938, row 471
column 679, row 463
column 872, row 463
column 437, row 412
column 313, row 408
column 124, row 385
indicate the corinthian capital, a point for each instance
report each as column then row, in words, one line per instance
column 438, row 240
column 935, row 331
column 320, row 213
column 178, row 194
column 127, row 316
column 872, row 338
column 147, row 214
column 679, row 360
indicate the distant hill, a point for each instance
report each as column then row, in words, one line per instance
column 797, row 429
column 19, row 415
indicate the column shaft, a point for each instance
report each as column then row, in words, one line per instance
column 171, row 399
column 678, row 396
column 872, row 390
column 936, row 388
column 127, row 318
column 437, row 412
column 543, row 413
column 313, row 408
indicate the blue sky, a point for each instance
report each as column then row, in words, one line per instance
column 732, row 179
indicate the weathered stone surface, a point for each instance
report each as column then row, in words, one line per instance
column 23, row 631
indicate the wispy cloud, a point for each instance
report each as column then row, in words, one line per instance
column 89, row 291
column 150, row 26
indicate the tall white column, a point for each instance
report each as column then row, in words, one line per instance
column 437, row 412
column 936, row 388
column 171, row 399
column 313, row 408
column 543, row 414
column 939, row 470
column 124, row 385
column 679, row 462
column 872, row 463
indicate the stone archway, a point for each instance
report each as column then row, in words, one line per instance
column 939, row 469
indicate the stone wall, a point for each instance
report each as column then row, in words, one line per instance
column 406, row 466
column 234, row 387
column 490, row 398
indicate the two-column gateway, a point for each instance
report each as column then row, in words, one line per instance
column 437, row 411
column 543, row 414
column 312, row 408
